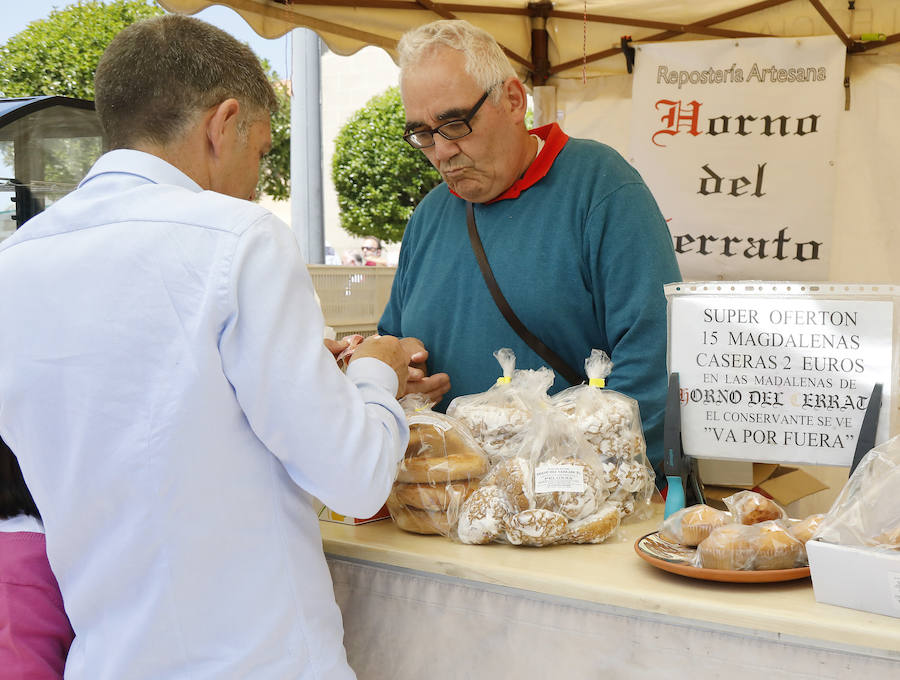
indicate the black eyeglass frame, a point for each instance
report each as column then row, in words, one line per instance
column 465, row 120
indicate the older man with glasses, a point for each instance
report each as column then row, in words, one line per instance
column 372, row 252
column 570, row 232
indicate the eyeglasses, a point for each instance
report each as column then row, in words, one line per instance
column 374, row 249
column 452, row 129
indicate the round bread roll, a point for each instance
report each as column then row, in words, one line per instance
column 775, row 548
column 418, row 521
column 633, row 477
column 595, row 528
column 536, row 527
column 434, row 497
column 727, row 547
column 805, row 528
column 888, row 539
column 439, row 452
column 494, row 425
column 513, row 477
column 698, row 521
column 434, row 438
column 483, row 516
column 441, row 469
column 749, row 507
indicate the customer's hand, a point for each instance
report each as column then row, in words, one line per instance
column 388, row 349
column 342, row 349
column 336, row 346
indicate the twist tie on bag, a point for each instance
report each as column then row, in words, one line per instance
column 507, row 360
column 597, row 367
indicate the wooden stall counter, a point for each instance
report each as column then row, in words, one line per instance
column 608, row 579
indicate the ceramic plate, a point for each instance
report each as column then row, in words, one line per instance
column 678, row 560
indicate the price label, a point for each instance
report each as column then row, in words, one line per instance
column 550, row 478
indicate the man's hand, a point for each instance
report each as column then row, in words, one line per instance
column 342, row 349
column 433, row 387
column 388, row 349
column 336, row 346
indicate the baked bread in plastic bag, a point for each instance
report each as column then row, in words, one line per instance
column 867, row 511
column 496, row 417
column 762, row 546
column 803, row 530
column 550, row 490
column 750, row 507
column 688, row 526
column 442, row 466
column 611, row 423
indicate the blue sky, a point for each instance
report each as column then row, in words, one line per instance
column 15, row 15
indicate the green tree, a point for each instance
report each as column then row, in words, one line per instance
column 379, row 178
column 275, row 170
column 58, row 56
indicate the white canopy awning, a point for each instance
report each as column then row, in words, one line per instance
column 568, row 39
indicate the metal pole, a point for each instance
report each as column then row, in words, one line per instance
column 307, row 213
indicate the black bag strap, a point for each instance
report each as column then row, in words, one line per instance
column 547, row 354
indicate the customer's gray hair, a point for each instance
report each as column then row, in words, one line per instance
column 159, row 74
column 485, row 60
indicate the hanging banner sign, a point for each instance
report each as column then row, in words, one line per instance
column 737, row 140
column 779, row 377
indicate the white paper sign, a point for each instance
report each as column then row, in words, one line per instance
column 779, row 379
column 737, row 141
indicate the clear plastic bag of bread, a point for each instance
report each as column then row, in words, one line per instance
column 867, row 510
column 749, row 507
column 497, row 415
column 755, row 533
column 611, row 423
column 551, row 490
column 761, row 546
column 690, row 525
column 442, row 466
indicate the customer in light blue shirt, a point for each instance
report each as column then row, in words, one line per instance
column 164, row 384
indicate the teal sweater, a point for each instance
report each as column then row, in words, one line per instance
column 581, row 256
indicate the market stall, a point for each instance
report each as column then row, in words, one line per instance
column 581, row 611
column 503, row 610
column 519, row 605
column 577, row 59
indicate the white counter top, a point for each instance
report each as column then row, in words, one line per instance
column 611, row 574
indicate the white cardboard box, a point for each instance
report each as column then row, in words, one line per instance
column 855, row 577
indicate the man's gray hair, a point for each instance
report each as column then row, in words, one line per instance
column 159, row 74
column 485, row 60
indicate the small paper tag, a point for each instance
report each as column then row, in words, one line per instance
column 550, row 478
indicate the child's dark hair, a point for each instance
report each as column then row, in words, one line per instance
column 15, row 498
